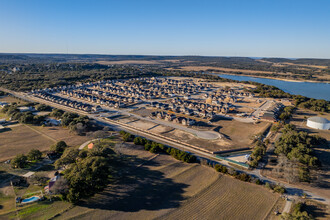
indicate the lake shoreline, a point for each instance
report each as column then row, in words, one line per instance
column 309, row 89
column 265, row 77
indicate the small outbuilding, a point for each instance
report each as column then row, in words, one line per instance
column 318, row 123
column 90, row 146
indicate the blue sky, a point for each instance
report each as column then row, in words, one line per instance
column 257, row 28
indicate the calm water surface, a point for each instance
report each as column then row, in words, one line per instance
column 308, row 89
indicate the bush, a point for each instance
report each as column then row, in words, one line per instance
column 43, row 107
column 147, row 146
column 279, row 189
column 139, row 141
column 304, row 175
column 59, row 147
column 221, row 168
column 127, row 137
column 244, row 177
column 34, row 155
column 268, row 186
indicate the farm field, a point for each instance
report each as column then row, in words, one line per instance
column 166, row 188
column 227, row 198
column 21, row 139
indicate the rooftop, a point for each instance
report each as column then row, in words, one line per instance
column 318, row 120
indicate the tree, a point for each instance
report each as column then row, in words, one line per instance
column 34, row 155
column 20, row 161
column 57, row 113
column 86, row 177
column 69, row 156
column 304, row 174
column 128, row 137
column 59, row 147
column 43, row 107
column 60, row 186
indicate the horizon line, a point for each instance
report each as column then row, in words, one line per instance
column 155, row 55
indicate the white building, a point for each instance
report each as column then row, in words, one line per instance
column 318, row 123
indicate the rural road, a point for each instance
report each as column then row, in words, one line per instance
column 291, row 189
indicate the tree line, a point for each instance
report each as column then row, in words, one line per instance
column 155, row 147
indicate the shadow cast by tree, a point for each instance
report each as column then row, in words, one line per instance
column 140, row 188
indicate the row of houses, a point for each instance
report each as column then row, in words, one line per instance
column 172, row 117
column 147, row 88
column 111, row 101
column 272, row 113
column 194, row 105
column 232, row 92
column 184, row 110
column 67, row 102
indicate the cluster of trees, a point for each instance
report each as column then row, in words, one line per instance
column 87, row 171
column 287, row 113
column 43, row 107
column 21, row 160
column 155, row 147
column 319, row 105
column 297, row 146
column 44, row 75
column 275, row 188
column 22, row 117
column 258, row 151
column 76, row 123
column 268, row 91
column 299, row 212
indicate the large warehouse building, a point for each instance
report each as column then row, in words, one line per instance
column 318, row 123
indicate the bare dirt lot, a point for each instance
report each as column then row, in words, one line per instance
column 166, row 188
column 239, row 133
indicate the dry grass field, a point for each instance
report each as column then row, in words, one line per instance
column 62, row 134
column 22, row 138
column 10, row 99
column 166, row 188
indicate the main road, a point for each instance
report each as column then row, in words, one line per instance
column 291, row 189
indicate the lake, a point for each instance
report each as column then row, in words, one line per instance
column 308, row 89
